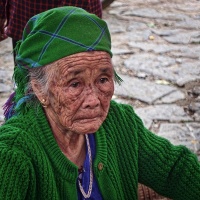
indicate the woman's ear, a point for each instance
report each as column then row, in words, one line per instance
column 37, row 89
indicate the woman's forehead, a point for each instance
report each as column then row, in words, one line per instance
column 90, row 56
column 80, row 61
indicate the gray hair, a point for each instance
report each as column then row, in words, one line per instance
column 42, row 75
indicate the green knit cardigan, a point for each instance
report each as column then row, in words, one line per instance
column 33, row 167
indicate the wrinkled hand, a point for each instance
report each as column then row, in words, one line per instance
column 3, row 36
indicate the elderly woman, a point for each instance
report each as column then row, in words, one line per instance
column 64, row 138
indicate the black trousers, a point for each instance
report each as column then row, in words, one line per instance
column 14, row 42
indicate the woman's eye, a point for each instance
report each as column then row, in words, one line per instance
column 103, row 80
column 75, row 84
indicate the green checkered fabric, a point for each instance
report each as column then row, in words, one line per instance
column 60, row 32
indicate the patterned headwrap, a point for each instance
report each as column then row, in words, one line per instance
column 50, row 36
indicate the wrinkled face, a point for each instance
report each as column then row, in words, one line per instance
column 80, row 91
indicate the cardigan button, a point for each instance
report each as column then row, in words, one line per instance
column 100, row 166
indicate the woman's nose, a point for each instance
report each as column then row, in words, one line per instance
column 91, row 99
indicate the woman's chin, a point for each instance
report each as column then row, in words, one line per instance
column 88, row 128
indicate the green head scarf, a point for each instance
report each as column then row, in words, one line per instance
column 50, row 36
column 60, row 32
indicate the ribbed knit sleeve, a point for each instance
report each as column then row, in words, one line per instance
column 14, row 174
column 173, row 171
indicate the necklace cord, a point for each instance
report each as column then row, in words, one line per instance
column 88, row 194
